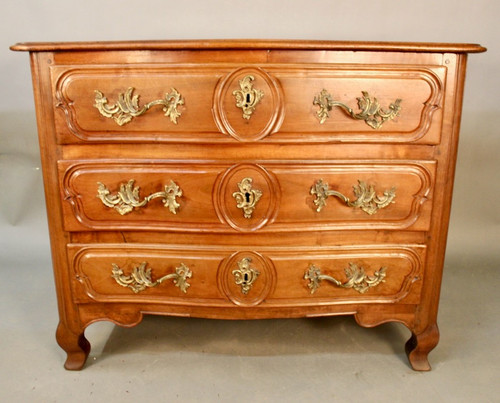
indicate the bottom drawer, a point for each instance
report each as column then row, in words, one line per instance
column 220, row 276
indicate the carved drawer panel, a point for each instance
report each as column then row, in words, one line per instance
column 226, row 102
column 223, row 277
column 262, row 196
column 129, row 273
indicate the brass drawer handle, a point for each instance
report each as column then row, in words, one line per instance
column 140, row 279
column 367, row 199
column 127, row 106
column 247, row 97
column 245, row 275
column 371, row 111
column 127, row 198
column 247, row 198
column 357, row 279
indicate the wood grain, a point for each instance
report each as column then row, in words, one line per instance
column 244, row 44
column 282, row 147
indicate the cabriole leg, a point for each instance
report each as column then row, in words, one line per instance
column 420, row 345
column 77, row 347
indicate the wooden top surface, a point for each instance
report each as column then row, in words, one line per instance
column 250, row 44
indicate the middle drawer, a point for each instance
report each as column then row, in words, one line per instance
column 263, row 196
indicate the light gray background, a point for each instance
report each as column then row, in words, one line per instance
column 284, row 360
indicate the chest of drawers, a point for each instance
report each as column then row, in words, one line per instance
column 248, row 180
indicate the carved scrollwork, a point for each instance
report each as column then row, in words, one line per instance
column 357, row 279
column 140, row 278
column 127, row 106
column 127, row 198
column 371, row 111
column 366, row 197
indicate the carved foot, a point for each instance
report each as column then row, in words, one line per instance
column 420, row 345
column 76, row 346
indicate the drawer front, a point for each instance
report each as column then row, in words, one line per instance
column 269, row 103
column 266, row 196
column 221, row 276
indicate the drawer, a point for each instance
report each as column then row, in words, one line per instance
column 246, row 197
column 223, row 277
column 284, row 103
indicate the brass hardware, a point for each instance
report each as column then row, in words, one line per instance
column 127, row 106
column 245, row 275
column 140, row 279
column 247, row 197
column 371, row 112
column 127, row 197
column 367, row 200
column 356, row 278
column 247, row 97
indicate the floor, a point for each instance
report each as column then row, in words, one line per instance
column 294, row 360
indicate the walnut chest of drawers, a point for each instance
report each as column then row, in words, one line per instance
column 248, row 179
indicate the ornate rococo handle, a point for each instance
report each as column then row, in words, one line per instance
column 357, row 279
column 140, row 278
column 127, row 106
column 366, row 197
column 371, row 111
column 127, row 198
column 247, row 97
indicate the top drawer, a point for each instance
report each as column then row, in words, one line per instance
column 270, row 103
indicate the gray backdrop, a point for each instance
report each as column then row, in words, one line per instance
column 24, row 250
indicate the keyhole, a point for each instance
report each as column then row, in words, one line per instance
column 247, row 197
column 245, row 277
column 248, row 99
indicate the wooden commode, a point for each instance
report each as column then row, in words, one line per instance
column 248, row 180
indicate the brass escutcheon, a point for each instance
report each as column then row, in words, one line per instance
column 245, row 275
column 247, row 97
column 247, row 198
